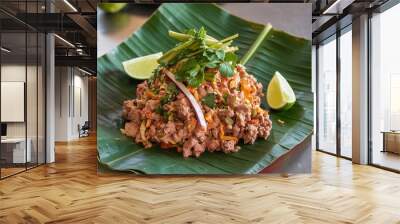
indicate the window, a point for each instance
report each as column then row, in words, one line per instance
column 22, row 76
column 327, row 96
column 385, row 89
column 334, row 106
column 13, row 148
column 346, row 93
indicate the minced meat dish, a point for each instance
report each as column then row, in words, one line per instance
column 199, row 99
column 161, row 114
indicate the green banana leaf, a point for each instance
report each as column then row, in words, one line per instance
column 276, row 51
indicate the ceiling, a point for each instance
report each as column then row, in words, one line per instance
column 74, row 22
column 332, row 15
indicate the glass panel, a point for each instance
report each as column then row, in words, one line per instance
column 41, row 99
column 385, row 84
column 327, row 96
column 346, row 94
column 31, row 98
column 13, row 86
column 23, row 89
column 32, row 88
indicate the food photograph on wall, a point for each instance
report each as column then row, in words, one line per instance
column 202, row 88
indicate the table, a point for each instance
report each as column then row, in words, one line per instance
column 13, row 150
column 391, row 141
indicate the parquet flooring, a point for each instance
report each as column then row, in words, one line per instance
column 70, row 191
column 11, row 170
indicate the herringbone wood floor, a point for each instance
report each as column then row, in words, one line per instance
column 70, row 191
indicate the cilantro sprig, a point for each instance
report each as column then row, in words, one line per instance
column 209, row 100
column 196, row 53
column 170, row 95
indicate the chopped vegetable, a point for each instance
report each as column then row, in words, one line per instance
column 281, row 122
column 229, row 138
column 208, row 117
column 190, row 97
column 209, row 100
column 229, row 121
column 148, row 123
column 221, row 132
column 254, row 121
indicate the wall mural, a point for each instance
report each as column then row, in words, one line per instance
column 199, row 90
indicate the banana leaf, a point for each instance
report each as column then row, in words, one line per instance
column 274, row 50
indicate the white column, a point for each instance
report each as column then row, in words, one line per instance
column 62, row 103
column 314, row 90
column 50, row 92
column 50, row 100
column 360, row 90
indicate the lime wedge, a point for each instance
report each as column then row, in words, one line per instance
column 280, row 95
column 142, row 67
column 112, row 7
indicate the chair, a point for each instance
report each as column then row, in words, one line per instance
column 84, row 130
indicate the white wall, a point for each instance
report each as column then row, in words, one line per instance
column 80, row 110
column 13, row 100
column 16, row 73
column 61, row 103
column 71, row 94
column 34, row 125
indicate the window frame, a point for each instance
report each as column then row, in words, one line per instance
column 334, row 37
column 31, row 30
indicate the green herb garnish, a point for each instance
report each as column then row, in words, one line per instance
column 196, row 53
column 208, row 76
column 225, row 98
column 226, row 69
column 209, row 100
column 170, row 95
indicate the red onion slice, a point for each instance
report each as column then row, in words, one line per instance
column 196, row 106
